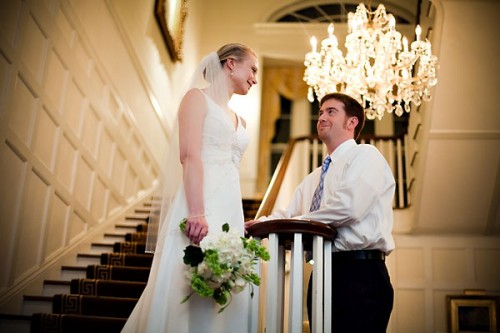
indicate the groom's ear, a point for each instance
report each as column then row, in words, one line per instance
column 353, row 122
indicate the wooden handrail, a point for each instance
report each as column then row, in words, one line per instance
column 286, row 228
column 272, row 191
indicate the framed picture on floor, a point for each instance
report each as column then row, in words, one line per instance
column 472, row 313
column 170, row 15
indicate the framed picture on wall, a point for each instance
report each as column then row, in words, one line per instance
column 170, row 15
column 472, row 313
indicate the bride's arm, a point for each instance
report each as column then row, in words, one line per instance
column 192, row 113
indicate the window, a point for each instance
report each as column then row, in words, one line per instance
column 328, row 12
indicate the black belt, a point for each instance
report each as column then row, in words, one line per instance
column 359, row 255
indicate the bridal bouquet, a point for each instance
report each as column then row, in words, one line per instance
column 222, row 265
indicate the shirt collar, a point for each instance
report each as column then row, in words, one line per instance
column 342, row 148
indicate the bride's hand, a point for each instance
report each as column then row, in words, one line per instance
column 196, row 228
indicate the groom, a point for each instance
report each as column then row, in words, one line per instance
column 353, row 192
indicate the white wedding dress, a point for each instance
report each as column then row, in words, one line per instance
column 159, row 310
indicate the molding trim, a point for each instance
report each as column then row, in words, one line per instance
column 464, row 135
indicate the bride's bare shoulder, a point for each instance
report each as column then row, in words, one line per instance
column 194, row 98
column 194, row 93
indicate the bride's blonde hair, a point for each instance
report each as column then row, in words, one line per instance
column 236, row 51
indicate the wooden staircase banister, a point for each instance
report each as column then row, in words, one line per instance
column 297, row 236
column 272, row 191
column 287, row 228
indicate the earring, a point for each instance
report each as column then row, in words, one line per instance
column 232, row 73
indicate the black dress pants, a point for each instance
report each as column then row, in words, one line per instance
column 362, row 296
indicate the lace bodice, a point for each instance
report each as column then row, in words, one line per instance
column 222, row 143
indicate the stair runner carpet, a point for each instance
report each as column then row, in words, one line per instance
column 102, row 301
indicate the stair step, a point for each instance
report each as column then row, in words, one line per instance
column 88, row 259
column 142, row 227
column 49, row 322
column 100, row 306
column 96, row 287
column 99, row 247
column 126, row 225
column 15, row 323
column 131, row 227
column 127, row 259
column 73, row 272
column 53, row 287
column 137, row 218
column 141, row 212
column 130, row 247
column 138, row 236
column 129, row 223
column 117, row 273
column 35, row 303
column 114, row 236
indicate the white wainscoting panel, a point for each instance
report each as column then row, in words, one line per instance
column 424, row 269
column 72, row 155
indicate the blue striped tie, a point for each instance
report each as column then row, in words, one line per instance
column 316, row 200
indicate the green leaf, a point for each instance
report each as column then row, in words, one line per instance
column 185, row 299
column 225, row 227
column 182, row 225
column 193, row 255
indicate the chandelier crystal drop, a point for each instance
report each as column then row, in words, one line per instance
column 380, row 69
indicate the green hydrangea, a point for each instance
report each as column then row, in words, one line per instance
column 223, row 264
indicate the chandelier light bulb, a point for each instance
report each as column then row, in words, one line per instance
column 392, row 23
column 331, row 29
column 418, row 32
column 314, row 43
column 379, row 69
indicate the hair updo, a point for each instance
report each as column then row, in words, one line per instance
column 235, row 51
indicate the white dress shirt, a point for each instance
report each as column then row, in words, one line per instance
column 357, row 199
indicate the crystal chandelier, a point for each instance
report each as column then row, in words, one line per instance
column 380, row 70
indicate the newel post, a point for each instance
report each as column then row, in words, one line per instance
column 297, row 236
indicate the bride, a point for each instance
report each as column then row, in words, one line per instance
column 206, row 191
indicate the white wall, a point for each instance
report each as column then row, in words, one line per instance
column 80, row 137
column 459, row 149
column 424, row 269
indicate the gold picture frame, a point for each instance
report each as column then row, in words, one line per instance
column 171, row 15
column 472, row 313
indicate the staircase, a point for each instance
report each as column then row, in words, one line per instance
column 250, row 208
column 98, row 292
